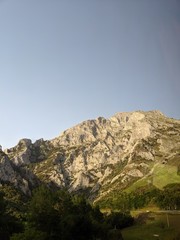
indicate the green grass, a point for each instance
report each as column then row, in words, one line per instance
column 165, row 174
column 158, row 226
column 147, row 232
column 174, row 220
column 137, row 184
column 162, row 175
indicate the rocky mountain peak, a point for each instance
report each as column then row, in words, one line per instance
column 101, row 155
column 20, row 154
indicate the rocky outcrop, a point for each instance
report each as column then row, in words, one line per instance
column 20, row 154
column 10, row 174
column 98, row 156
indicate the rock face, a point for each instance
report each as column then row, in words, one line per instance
column 9, row 173
column 97, row 156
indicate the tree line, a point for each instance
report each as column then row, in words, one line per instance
column 168, row 198
column 51, row 215
column 58, row 215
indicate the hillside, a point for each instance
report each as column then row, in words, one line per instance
column 99, row 156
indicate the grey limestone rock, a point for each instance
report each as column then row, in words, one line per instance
column 98, row 155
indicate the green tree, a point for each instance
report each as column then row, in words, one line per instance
column 56, row 215
column 43, row 214
column 169, row 197
column 8, row 223
column 30, row 234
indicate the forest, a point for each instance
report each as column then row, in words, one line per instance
column 167, row 199
column 51, row 215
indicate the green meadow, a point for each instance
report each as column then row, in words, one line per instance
column 165, row 174
column 160, row 226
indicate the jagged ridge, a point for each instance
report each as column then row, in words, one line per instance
column 99, row 156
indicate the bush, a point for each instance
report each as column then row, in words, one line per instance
column 30, row 234
column 119, row 220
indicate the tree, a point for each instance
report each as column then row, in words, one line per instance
column 42, row 218
column 30, row 234
column 57, row 215
column 169, row 197
column 42, row 213
column 8, row 223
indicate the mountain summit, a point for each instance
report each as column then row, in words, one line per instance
column 99, row 156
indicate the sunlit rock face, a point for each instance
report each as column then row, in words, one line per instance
column 96, row 156
column 9, row 173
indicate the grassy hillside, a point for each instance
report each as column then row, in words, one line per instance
column 165, row 174
column 155, row 228
column 162, row 175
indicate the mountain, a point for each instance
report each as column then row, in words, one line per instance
column 100, row 156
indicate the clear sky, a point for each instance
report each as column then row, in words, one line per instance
column 66, row 61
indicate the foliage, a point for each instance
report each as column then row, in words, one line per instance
column 42, row 213
column 169, row 198
column 58, row 215
column 8, row 223
column 51, row 215
column 29, row 234
column 119, row 220
column 124, row 202
column 15, row 201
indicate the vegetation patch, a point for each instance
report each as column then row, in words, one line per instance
column 51, row 215
column 155, row 228
column 164, row 174
column 140, row 183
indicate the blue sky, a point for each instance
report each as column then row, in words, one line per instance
column 66, row 61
